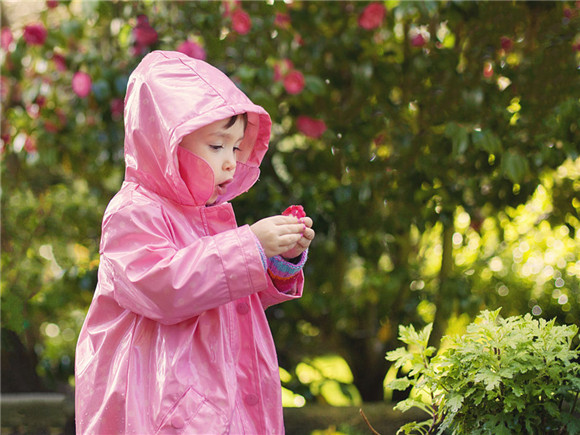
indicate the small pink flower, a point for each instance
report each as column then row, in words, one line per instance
column 51, row 4
column 81, row 84
column 372, row 16
column 506, row 43
column 192, row 49
column 6, row 38
column 117, row 106
column 144, row 34
column 282, row 20
column 310, row 127
column 488, row 70
column 294, row 82
column 30, row 145
column 59, row 61
column 35, row 34
column 295, row 210
column 241, row 22
column 418, row 40
column 51, row 127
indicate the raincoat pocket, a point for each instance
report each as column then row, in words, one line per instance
column 193, row 414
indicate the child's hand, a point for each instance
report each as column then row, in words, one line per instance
column 304, row 242
column 282, row 234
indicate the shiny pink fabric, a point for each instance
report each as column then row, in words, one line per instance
column 176, row 339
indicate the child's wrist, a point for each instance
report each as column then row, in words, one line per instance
column 281, row 268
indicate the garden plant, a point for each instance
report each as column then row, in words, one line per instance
column 503, row 376
column 434, row 143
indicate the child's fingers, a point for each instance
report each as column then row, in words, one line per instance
column 289, row 239
column 307, row 221
column 294, row 228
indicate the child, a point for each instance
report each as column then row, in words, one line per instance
column 176, row 339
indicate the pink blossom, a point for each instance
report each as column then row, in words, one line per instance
column 418, row 40
column 144, row 35
column 241, row 22
column 487, row 70
column 81, row 84
column 35, row 34
column 117, row 107
column 51, row 4
column 6, row 38
column 294, row 82
column 310, row 127
column 59, row 61
column 282, row 20
column 192, row 49
column 295, row 210
column 506, row 43
column 372, row 16
column 30, row 145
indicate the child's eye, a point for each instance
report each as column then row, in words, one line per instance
column 236, row 148
column 216, row 147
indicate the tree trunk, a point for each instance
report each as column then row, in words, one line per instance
column 445, row 298
column 18, row 366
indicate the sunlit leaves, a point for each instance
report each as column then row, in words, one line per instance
column 499, row 376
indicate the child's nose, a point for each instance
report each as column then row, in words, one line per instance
column 230, row 163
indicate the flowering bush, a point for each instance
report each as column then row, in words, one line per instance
column 390, row 120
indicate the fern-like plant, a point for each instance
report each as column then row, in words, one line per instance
column 503, row 376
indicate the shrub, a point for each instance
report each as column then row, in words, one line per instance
column 503, row 376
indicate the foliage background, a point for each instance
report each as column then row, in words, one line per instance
column 435, row 145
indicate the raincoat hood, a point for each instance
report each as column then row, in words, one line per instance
column 170, row 95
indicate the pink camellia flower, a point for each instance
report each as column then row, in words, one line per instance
column 506, row 43
column 310, row 127
column 59, row 61
column 6, row 38
column 294, row 82
column 282, row 20
column 418, row 40
column 143, row 32
column 81, row 84
column 241, row 22
column 35, row 34
column 117, row 106
column 192, row 49
column 488, row 70
column 295, row 210
column 30, row 145
column 372, row 16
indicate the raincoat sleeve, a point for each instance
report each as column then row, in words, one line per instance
column 156, row 279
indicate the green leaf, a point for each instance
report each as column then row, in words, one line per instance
column 487, row 141
column 400, row 384
column 514, row 166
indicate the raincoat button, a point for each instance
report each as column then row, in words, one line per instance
column 177, row 422
column 251, row 400
column 243, row 308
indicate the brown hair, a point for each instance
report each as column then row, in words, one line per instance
column 234, row 118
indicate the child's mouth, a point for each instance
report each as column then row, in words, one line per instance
column 222, row 187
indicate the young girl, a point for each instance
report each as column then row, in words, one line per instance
column 176, row 339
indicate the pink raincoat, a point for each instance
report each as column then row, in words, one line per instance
column 176, row 339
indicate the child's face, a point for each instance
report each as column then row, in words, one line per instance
column 218, row 145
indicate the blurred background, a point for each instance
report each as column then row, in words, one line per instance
column 434, row 144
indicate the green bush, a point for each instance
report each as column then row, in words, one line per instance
column 503, row 376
